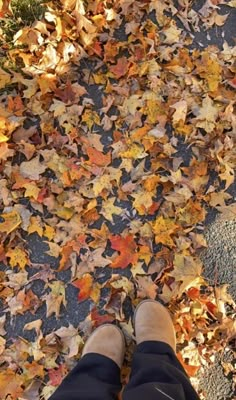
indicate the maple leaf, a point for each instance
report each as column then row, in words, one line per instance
column 163, row 229
column 180, row 113
column 18, row 257
column 56, row 375
column 190, row 369
column 9, row 221
column 187, row 270
column 146, row 287
column 98, row 158
column 55, row 298
column 100, row 319
column 87, row 288
column 32, row 169
column 10, row 384
column 70, row 339
column 207, row 115
column 33, row 369
column 127, row 249
column 5, row 77
column 109, row 208
column 121, row 68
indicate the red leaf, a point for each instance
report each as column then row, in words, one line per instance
column 56, row 375
column 100, row 319
column 127, row 248
column 193, row 293
column 85, row 285
column 121, row 68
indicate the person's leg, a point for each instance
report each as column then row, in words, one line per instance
column 156, row 371
column 97, row 374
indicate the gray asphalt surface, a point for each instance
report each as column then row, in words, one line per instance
column 75, row 312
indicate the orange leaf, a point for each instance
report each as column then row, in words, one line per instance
column 121, row 68
column 100, row 319
column 127, row 248
column 10, row 385
column 98, row 158
column 190, row 369
column 193, row 293
column 85, row 285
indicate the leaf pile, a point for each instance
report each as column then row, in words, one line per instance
column 116, row 143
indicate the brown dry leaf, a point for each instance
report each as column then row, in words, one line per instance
column 228, row 213
column 55, row 298
column 34, row 325
column 207, row 115
column 146, row 288
column 71, row 340
column 32, row 169
column 187, row 271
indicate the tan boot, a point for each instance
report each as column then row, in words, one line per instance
column 153, row 322
column 107, row 340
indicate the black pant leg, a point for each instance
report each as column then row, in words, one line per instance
column 158, row 375
column 95, row 377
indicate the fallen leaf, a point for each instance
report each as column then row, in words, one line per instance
column 32, row 169
column 55, row 298
column 121, row 68
column 127, row 249
column 163, row 229
column 10, row 384
column 146, row 287
column 18, row 257
column 9, row 221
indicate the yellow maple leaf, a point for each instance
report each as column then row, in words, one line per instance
column 35, row 226
column 163, row 228
column 180, row 113
column 3, row 138
column 227, row 175
column 18, row 257
column 55, row 298
column 90, row 117
column 9, row 221
column 208, row 113
column 142, row 201
column 135, row 152
column 49, row 232
column 64, row 212
column 100, row 183
column 32, row 190
column 109, row 208
column 187, row 270
column 5, row 78
column 172, row 33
